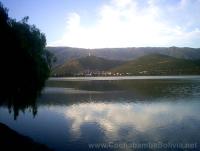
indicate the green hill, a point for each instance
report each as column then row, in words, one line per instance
column 88, row 63
column 156, row 64
column 152, row 64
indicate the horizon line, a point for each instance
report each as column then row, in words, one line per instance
column 127, row 47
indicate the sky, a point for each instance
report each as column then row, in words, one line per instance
column 112, row 23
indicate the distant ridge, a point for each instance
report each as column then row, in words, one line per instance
column 64, row 54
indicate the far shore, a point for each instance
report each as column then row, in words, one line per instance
column 126, row 77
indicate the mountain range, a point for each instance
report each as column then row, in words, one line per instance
column 127, row 61
column 64, row 54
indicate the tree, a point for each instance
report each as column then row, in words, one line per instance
column 24, row 62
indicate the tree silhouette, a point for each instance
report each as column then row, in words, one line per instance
column 24, row 62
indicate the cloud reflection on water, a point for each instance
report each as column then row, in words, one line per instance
column 138, row 117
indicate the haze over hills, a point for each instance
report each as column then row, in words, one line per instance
column 64, row 54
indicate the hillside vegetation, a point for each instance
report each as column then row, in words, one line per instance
column 152, row 64
column 156, row 64
column 88, row 63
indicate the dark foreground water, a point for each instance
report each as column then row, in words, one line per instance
column 139, row 113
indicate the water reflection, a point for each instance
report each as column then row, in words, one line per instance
column 143, row 88
column 71, row 114
column 130, row 121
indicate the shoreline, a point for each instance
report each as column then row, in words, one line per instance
column 11, row 140
column 123, row 78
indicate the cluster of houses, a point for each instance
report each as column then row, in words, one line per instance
column 100, row 73
column 95, row 73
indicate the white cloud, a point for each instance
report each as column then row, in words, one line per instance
column 122, row 3
column 73, row 21
column 124, row 23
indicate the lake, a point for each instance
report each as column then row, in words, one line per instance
column 114, row 113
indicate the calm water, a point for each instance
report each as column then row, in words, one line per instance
column 77, row 113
